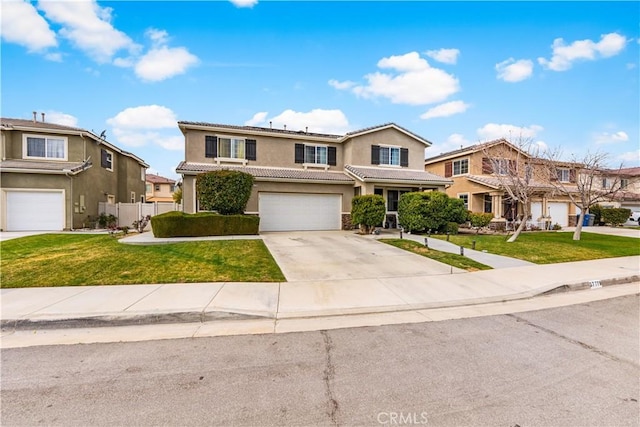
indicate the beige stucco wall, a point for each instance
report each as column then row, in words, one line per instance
column 357, row 150
column 88, row 187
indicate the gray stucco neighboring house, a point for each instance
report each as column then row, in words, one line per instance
column 306, row 180
column 52, row 177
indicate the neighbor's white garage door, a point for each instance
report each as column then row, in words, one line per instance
column 35, row 210
column 559, row 213
column 293, row 212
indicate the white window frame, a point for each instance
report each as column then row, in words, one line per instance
column 133, row 197
column 110, row 153
column 465, row 198
column 459, row 162
column 25, row 154
column 390, row 157
column 233, row 148
column 561, row 175
column 501, row 167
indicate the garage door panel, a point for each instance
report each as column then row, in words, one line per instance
column 294, row 211
column 559, row 213
column 35, row 210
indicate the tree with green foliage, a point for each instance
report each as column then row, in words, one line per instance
column 225, row 191
column 368, row 211
column 418, row 211
column 177, row 195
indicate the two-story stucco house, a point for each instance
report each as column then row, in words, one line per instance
column 159, row 188
column 476, row 180
column 53, row 176
column 304, row 180
column 628, row 182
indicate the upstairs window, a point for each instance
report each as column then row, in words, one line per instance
column 465, row 198
column 564, row 175
column 624, row 183
column 106, row 159
column 460, row 167
column 389, row 156
column 45, row 147
column 229, row 148
column 315, row 154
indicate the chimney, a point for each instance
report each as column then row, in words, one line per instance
column 42, row 117
column 34, row 116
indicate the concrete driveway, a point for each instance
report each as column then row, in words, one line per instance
column 339, row 255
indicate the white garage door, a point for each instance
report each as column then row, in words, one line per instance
column 536, row 211
column 293, row 212
column 559, row 213
column 35, row 210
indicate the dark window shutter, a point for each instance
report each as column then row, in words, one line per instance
column 487, row 167
column 513, row 168
column 250, row 147
column 210, row 146
column 404, row 157
column 331, row 156
column 104, row 161
column 375, row 154
column 572, row 175
column 299, row 153
column 448, row 169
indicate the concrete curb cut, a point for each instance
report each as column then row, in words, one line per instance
column 221, row 316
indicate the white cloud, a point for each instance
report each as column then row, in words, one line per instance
column 88, row 26
column 257, row 119
column 157, row 37
column 315, row 121
column 244, row 3
column 447, row 56
column 630, row 157
column 61, row 118
column 147, row 125
column 348, row 84
column 21, row 24
column 414, row 81
column 445, row 110
column 163, row 62
column 586, row 50
column 514, row 71
column 611, row 138
column 512, row 133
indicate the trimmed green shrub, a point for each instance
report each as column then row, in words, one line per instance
column 451, row 228
column 479, row 220
column 433, row 210
column 368, row 211
column 180, row 224
column 615, row 216
column 225, row 191
column 596, row 210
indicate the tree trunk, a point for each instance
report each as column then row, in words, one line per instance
column 578, row 231
column 515, row 235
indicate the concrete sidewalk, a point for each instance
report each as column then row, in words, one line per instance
column 204, row 302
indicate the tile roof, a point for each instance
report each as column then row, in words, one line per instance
column 385, row 125
column 43, row 166
column 269, row 173
column 261, row 129
column 469, row 149
column 395, row 174
column 157, row 179
column 494, row 182
column 9, row 122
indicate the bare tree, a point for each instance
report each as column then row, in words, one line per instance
column 510, row 165
column 585, row 186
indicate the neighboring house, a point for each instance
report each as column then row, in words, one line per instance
column 478, row 184
column 628, row 179
column 159, row 188
column 306, row 181
column 53, row 176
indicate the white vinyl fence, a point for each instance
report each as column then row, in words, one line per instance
column 128, row 213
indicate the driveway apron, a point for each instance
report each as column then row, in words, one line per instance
column 341, row 255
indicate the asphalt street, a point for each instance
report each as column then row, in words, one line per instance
column 570, row 366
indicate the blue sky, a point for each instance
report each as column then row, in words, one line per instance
column 561, row 74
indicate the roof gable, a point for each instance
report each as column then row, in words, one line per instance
column 465, row 151
column 388, row 126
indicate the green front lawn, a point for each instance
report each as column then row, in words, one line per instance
column 551, row 247
column 454, row 260
column 77, row 260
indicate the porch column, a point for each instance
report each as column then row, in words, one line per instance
column 496, row 202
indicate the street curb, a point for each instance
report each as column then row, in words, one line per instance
column 213, row 316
